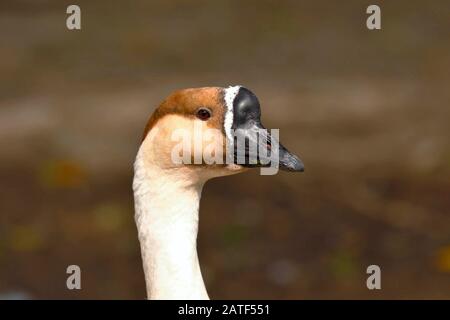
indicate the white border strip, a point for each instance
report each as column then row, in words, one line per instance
column 230, row 94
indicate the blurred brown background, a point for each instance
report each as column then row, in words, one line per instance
column 368, row 111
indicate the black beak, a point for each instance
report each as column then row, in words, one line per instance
column 254, row 146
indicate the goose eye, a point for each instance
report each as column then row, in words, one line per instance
column 203, row 114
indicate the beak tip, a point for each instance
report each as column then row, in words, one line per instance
column 292, row 163
column 299, row 167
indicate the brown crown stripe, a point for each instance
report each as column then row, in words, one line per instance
column 186, row 102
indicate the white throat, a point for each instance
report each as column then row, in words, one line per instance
column 166, row 214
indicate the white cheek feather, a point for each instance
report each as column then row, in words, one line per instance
column 230, row 94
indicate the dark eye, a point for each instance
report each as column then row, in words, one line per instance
column 203, row 114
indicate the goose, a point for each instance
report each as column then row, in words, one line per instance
column 167, row 193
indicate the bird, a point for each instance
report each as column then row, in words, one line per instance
column 167, row 193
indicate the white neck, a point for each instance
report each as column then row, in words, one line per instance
column 166, row 214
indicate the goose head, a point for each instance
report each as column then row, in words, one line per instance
column 210, row 132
